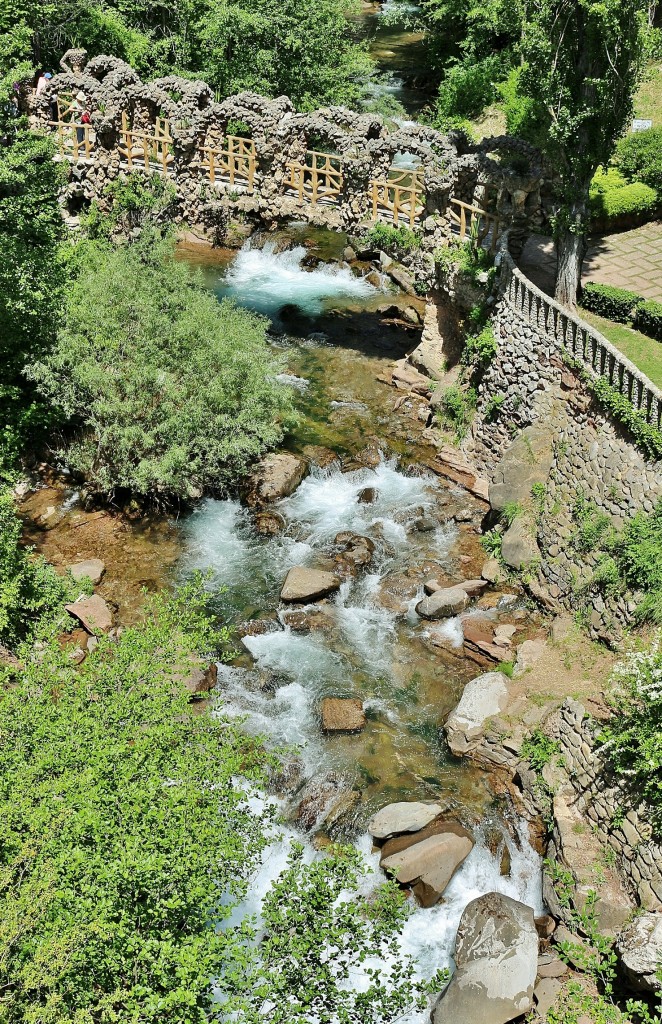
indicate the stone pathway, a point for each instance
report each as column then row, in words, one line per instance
column 629, row 259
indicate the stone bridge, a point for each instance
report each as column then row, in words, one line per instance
column 332, row 168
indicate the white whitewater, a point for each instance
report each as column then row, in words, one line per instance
column 300, row 668
column 265, row 280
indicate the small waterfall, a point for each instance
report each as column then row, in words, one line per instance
column 265, row 280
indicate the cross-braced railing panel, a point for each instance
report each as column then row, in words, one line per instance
column 398, row 198
column 231, row 164
column 74, row 139
column 147, row 150
column 318, row 179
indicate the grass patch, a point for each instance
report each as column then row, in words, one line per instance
column 648, row 101
column 644, row 352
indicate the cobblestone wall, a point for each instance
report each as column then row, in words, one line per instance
column 601, row 798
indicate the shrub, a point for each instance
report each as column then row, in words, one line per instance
column 606, row 180
column 31, row 592
column 592, row 525
column 538, row 749
column 135, row 200
column 612, row 303
column 480, row 349
column 649, row 319
column 493, row 406
column 626, row 201
column 170, row 392
column 639, row 156
column 632, row 737
column 637, row 551
column 456, row 409
column 466, row 89
column 396, row 242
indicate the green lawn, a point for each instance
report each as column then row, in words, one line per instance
column 644, row 352
column 648, row 101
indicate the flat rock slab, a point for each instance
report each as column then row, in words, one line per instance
column 92, row 569
column 435, row 828
column 545, row 994
column 430, row 864
column 93, row 613
column 496, row 955
column 639, row 949
column 443, row 604
column 342, row 714
column 529, row 654
column 519, row 546
column 400, row 817
column 483, row 698
column 308, row 584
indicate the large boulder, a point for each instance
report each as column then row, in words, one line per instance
column 304, row 584
column 94, row 614
column 430, row 864
column 400, row 817
column 342, row 714
column 443, row 604
column 276, row 476
column 639, row 949
column 483, row 698
column 528, row 461
column 519, row 546
column 496, row 957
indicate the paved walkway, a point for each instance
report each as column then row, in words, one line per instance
column 630, row 259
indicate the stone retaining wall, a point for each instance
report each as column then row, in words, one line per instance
column 601, row 798
column 592, row 455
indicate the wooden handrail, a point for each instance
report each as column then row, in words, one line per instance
column 403, row 202
column 235, row 160
column 69, row 142
column 152, row 149
column 469, row 215
column 320, row 177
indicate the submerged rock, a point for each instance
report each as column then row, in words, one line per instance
column 496, row 956
column 342, row 714
column 357, row 551
column 367, row 496
column 92, row 569
column 325, row 800
column 403, row 816
column 483, row 698
column 304, row 584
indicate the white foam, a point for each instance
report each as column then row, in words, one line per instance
column 264, row 280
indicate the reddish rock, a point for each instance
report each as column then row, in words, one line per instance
column 94, row 614
column 342, row 714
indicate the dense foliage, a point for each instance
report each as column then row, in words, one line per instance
column 31, row 592
column 649, row 318
column 301, row 48
column 639, row 156
column 171, row 392
column 633, row 735
column 31, row 273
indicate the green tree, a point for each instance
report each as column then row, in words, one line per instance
column 170, row 393
column 582, row 62
column 302, row 48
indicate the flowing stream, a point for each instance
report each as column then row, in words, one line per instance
column 366, row 641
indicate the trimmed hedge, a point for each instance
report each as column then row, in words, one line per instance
column 649, row 319
column 612, row 303
column 624, row 201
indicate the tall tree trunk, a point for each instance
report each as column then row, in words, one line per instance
column 570, row 251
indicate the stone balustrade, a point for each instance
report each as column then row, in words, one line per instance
column 578, row 339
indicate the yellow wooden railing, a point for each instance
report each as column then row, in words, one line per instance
column 472, row 220
column 319, row 179
column 149, row 150
column 235, row 162
column 400, row 196
column 74, row 139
